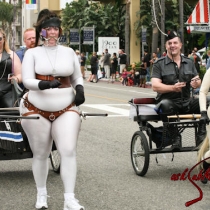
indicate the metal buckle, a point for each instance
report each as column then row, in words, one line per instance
column 52, row 117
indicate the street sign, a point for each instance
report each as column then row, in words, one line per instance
column 88, row 35
column 196, row 29
column 74, row 36
column 62, row 39
column 144, row 36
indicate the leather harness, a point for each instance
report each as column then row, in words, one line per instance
column 48, row 115
column 65, row 83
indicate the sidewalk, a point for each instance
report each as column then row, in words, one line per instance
column 116, row 82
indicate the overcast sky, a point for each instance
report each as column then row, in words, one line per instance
column 63, row 3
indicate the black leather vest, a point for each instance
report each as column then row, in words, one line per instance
column 5, row 69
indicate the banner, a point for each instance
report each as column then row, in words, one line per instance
column 74, row 36
column 110, row 43
column 88, row 35
column 144, row 36
column 31, row 4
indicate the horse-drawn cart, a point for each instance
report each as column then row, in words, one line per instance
column 151, row 139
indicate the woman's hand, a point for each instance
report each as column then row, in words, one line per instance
column 15, row 78
column 79, row 97
column 48, row 84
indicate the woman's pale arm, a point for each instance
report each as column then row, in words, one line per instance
column 17, row 67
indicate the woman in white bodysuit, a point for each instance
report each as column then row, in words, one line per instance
column 204, row 151
column 52, row 75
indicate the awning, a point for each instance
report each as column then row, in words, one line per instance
column 200, row 14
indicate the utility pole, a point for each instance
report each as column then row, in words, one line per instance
column 163, row 26
column 181, row 14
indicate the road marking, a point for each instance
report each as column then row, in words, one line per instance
column 145, row 91
column 118, row 112
column 104, row 97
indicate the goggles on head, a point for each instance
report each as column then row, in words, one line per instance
column 52, row 22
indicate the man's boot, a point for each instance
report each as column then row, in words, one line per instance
column 201, row 135
column 176, row 138
column 176, row 142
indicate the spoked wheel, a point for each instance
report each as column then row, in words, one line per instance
column 140, row 153
column 55, row 161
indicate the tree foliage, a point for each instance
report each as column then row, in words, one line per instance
column 171, row 20
column 108, row 19
column 6, row 14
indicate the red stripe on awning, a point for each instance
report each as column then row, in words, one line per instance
column 200, row 14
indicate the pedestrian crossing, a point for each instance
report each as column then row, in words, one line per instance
column 113, row 110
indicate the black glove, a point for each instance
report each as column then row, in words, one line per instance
column 79, row 97
column 204, row 117
column 48, row 84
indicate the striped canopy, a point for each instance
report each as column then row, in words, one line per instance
column 200, row 14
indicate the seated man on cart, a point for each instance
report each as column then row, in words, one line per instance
column 173, row 76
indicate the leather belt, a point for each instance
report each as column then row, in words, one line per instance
column 65, row 81
column 48, row 115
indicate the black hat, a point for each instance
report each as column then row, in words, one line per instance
column 171, row 34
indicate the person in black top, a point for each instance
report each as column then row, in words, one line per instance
column 123, row 60
column 172, row 79
column 94, row 64
column 82, row 64
column 114, row 63
column 10, row 68
column 146, row 62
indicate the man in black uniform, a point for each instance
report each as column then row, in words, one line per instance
column 172, row 79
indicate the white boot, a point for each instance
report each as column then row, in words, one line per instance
column 41, row 202
column 72, row 204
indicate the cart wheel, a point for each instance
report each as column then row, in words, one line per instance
column 55, row 161
column 140, row 153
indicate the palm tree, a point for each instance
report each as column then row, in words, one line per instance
column 108, row 19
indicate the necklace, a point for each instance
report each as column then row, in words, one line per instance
column 53, row 66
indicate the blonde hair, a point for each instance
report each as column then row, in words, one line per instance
column 6, row 45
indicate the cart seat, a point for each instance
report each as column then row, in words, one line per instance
column 143, row 109
column 139, row 101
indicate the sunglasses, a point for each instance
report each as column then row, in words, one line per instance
column 1, row 38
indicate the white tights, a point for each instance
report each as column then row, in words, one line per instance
column 64, row 131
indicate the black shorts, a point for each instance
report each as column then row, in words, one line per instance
column 94, row 70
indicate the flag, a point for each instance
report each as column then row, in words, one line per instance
column 190, row 29
column 30, row 1
column 11, row 136
column 200, row 14
column 31, row 4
